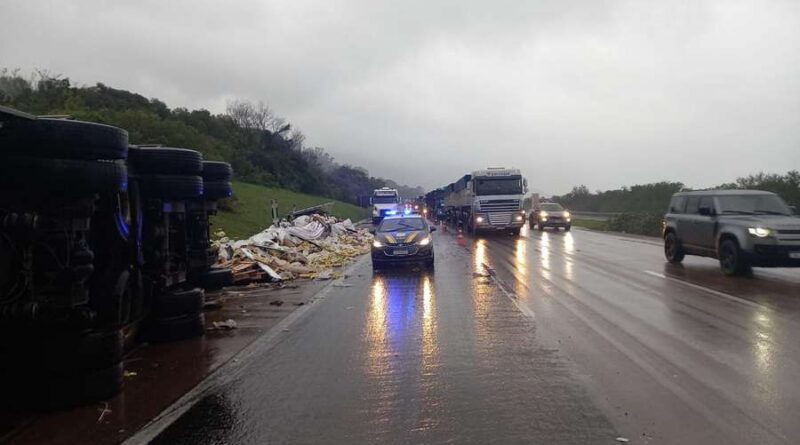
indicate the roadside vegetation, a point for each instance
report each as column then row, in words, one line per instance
column 640, row 208
column 262, row 147
column 249, row 212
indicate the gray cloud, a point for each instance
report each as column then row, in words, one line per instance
column 604, row 93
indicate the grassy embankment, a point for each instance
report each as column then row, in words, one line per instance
column 637, row 223
column 251, row 209
column 592, row 224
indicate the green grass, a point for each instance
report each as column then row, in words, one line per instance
column 592, row 224
column 252, row 209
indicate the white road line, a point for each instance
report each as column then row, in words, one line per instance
column 709, row 291
column 510, row 294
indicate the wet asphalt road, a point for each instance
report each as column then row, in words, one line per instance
column 554, row 337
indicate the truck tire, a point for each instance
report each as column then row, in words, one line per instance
column 62, row 176
column 567, row 228
column 217, row 171
column 178, row 304
column 165, row 161
column 172, row 187
column 63, row 139
column 216, row 190
column 217, row 279
column 540, row 226
column 62, row 392
column 176, row 328
column 672, row 248
column 68, row 354
column 732, row 261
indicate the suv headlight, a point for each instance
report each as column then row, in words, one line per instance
column 377, row 243
column 425, row 241
column 760, row 232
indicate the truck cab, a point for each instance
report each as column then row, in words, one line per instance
column 385, row 202
column 488, row 200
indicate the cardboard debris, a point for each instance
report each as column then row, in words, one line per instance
column 225, row 325
column 310, row 247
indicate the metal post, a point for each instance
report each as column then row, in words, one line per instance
column 274, row 211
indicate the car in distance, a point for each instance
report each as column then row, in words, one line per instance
column 740, row 228
column 550, row 214
column 403, row 239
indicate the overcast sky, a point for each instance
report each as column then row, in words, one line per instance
column 601, row 93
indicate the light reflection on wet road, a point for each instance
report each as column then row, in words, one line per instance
column 611, row 341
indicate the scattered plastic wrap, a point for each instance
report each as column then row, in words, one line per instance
column 311, row 246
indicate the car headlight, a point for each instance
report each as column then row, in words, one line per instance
column 478, row 219
column 543, row 214
column 377, row 243
column 425, row 241
column 760, row 232
column 518, row 218
column 566, row 214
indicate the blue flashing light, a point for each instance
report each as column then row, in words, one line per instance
column 407, row 211
column 391, row 212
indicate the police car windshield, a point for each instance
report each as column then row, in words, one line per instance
column 400, row 224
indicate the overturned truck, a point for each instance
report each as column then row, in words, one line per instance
column 101, row 245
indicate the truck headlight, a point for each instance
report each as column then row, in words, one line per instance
column 566, row 214
column 478, row 219
column 377, row 243
column 760, row 232
column 425, row 241
column 543, row 215
column 518, row 218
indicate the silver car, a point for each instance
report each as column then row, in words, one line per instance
column 740, row 228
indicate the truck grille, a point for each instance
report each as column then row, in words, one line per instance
column 500, row 205
column 499, row 218
column 500, row 211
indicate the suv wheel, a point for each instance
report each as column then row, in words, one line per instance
column 731, row 260
column 672, row 248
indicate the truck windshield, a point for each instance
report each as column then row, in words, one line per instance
column 753, row 205
column 384, row 199
column 497, row 186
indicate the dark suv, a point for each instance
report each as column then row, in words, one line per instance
column 740, row 228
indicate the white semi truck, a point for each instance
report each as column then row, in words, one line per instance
column 487, row 200
column 385, row 202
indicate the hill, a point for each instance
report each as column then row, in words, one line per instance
column 262, row 147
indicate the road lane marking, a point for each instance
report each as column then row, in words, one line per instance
column 510, row 294
column 707, row 290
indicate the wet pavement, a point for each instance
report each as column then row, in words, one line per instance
column 555, row 337
column 158, row 375
column 403, row 357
